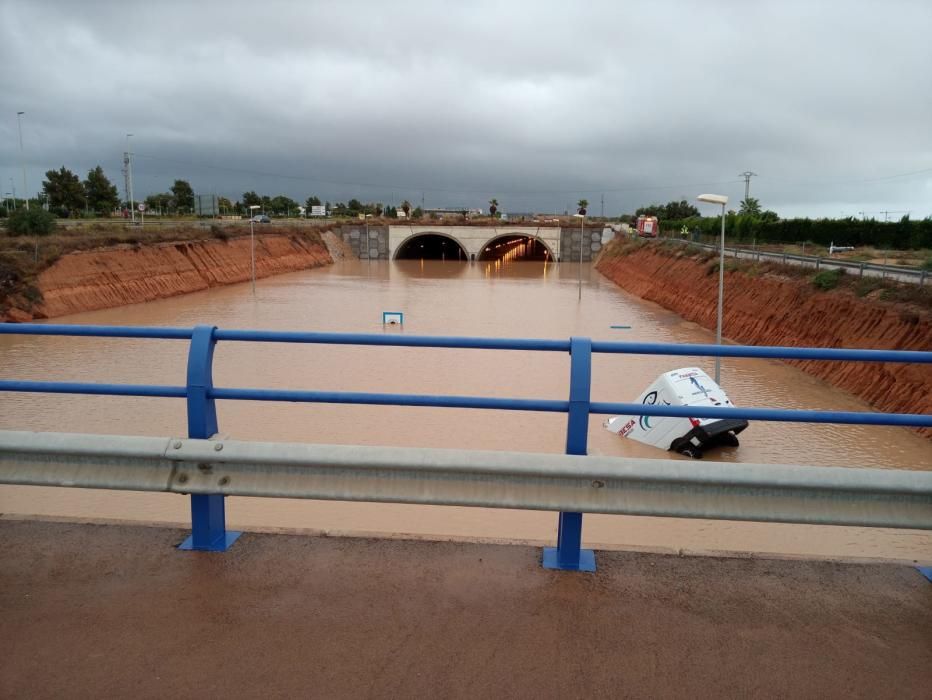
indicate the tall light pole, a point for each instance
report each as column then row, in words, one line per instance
column 723, row 200
column 252, row 243
column 368, row 255
column 22, row 157
column 129, row 180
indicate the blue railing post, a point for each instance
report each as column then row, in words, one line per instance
column 569, row 554
column 208, row 520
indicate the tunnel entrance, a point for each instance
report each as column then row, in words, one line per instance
column 431, row 246
column 515, row 248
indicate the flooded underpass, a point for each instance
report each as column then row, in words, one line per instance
column 501, row 297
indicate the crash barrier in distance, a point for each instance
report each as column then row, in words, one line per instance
column 207, row 501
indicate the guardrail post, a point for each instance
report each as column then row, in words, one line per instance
column 568, row 554
column 861, row 270
column 208, row 519
column 922, row 277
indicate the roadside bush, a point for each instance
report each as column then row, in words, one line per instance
column 926, row 265
column 828, row 279
column 219, row 232
column 866, row 285
column 30, row 222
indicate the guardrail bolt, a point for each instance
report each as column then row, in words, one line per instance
column 598, row 484
column 177, row 445
column 218, row 447
column 182, row 478
column 224, row 480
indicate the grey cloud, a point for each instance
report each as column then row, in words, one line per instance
column 535, row 102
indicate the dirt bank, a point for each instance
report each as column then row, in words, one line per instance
column 765, row 307
column 129, row 274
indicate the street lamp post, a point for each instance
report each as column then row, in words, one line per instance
column 129, row 179
column 22, row 157
column 368, row 254
column 723, row 200
column 252, row 244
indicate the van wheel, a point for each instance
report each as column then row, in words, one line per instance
column 690, row 451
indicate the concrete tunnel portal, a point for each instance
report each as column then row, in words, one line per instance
column 436, row 246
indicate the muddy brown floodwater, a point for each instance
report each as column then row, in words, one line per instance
column 512, row 299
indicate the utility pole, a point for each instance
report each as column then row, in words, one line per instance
column 128, row 179
column 603, row 206
column 747, row 175
column 22, row 158
column 129, row 166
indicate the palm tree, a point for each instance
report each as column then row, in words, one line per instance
column 406, row 208
column 493, row 207
column 582, row 204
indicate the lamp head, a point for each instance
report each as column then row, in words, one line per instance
column 713, row 198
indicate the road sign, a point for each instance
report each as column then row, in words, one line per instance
column 141, row 207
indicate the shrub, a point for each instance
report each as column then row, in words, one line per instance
column 926, row 265
column 866, row 285
column 31, row 222
column 219, row 232
column 828, row 279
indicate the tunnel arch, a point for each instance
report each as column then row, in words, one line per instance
column 516, row 237
column 435, row 243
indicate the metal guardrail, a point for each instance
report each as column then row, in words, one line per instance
column 908, row 274
column 207, row 506
column 668, row 488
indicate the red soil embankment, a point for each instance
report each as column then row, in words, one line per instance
column 99, row 279
column 771, row 309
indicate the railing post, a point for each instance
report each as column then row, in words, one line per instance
column 568, row 554
column 208, row 520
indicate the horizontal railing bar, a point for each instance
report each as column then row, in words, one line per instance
column 96, row 331
column 172, row 392
column 395, row 340
column 478, row 402
column 764, row 414
column 349, row 397
column 540, row 344
column 709, row 490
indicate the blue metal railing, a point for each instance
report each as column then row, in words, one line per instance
column 207, row 511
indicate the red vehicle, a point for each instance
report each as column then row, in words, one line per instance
column 648, row 226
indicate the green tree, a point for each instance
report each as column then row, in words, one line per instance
column 251, row 199
column 750, row 207
column 63, row 189
column 224, row 204
column 671, row 211
column 406, row 208
column 582, row 204
column 34, row 221
column 184, row 195
column 283, row 205
column 493, row 207
column 102, row 195
column 312, row 202
column 159, row 203
column 354, row 205
column 417, row 213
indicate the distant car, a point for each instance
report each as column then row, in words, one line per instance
column 261, row 219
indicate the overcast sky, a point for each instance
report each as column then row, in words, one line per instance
column 535, row 103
